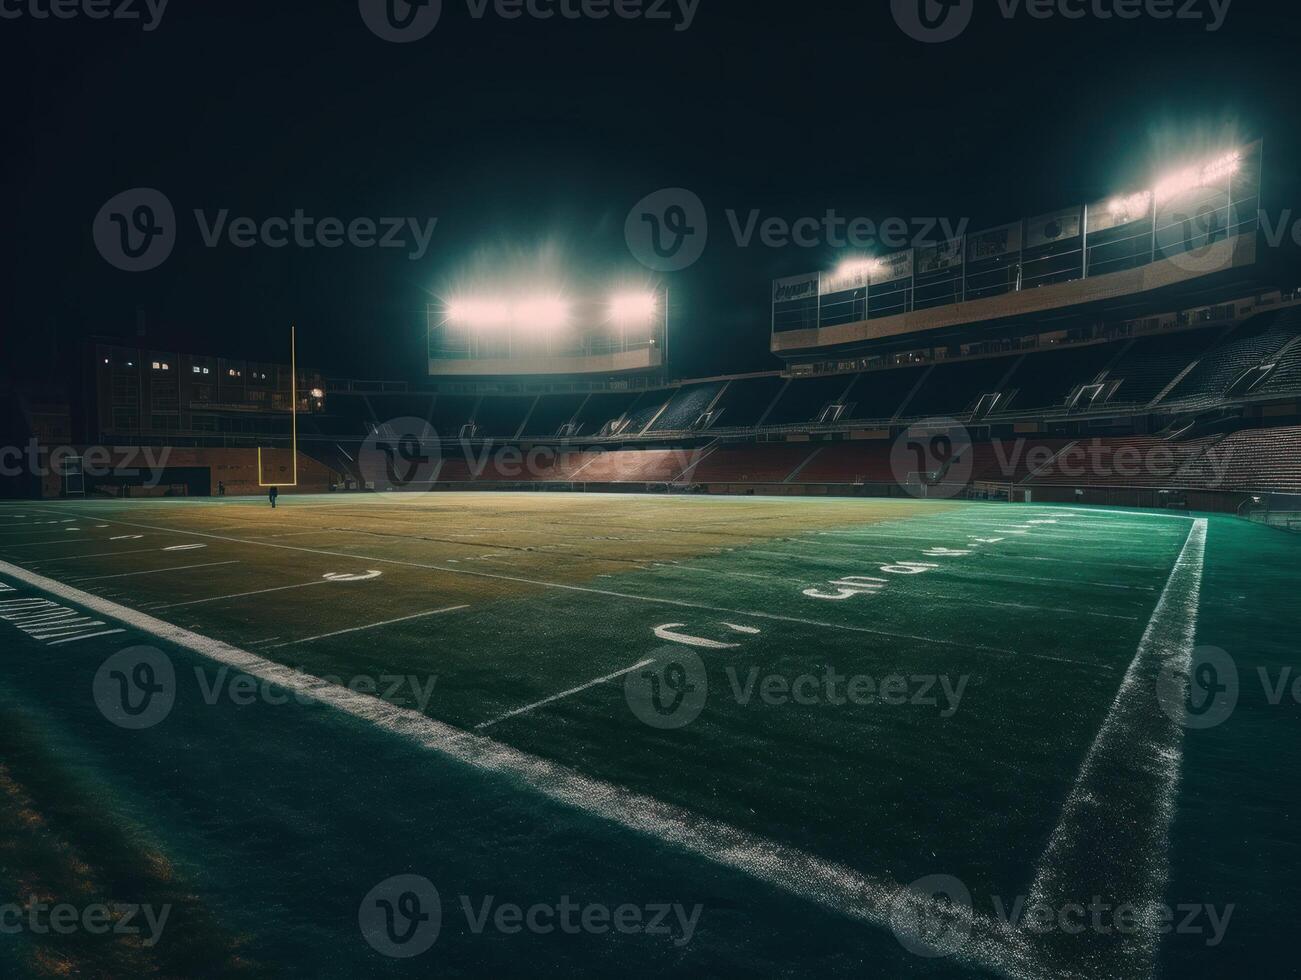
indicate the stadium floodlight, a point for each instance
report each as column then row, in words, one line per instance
column 540, row 313
column 633, row 309
column 1131, row 208
column 1190, row 179
column 857, row 271
column 478, row 313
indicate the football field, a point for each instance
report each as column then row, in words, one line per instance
column 700, row 734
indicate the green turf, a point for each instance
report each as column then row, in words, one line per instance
column 282, row 817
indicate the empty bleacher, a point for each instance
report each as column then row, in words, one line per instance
column 804, row 398
column 643, row 411
column 500, row 416
column 952, row 389
column 745, row 400
column 1121, row 461
column 1267, row 460
column 451, row 413
column 601, row 409
column 686, row 406
column 879, row 394
column 751, row 463
column 1148, row 366
column 1252, row 343
column 1044, row 380
column 550, row 413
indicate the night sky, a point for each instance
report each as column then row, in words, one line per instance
column 529, row 140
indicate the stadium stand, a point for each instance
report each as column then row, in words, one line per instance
column 745, row 400
column 644, row 410
column 1150, row 364
column 751, row 463
column 953, row 389
column 686, row 407
column 1286, row 375
column 1246, row 347
column 600, row 410
column 878, row 395
column 550, row 413
column 451, row 413
column 858, row 462
column 502, row 416
column 1132, row 461
column 804, row 399
column 1046, row 380
column 1252, row 460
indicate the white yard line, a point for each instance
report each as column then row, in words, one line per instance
column 844, row 890
column 1113, row 839
column 962, row 574
column 155, row 571
column 564, row 694
column 241, row 595
column 369, row 626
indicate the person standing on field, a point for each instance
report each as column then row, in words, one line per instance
column 275, row 492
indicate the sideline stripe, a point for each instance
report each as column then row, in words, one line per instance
column 833, row 886
column 565, row 694
column 542, row 583
column 1113, row 839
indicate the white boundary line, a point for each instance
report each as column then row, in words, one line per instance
column 833, row 886
column 1127, row 790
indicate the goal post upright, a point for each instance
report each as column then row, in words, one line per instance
column 293, row 418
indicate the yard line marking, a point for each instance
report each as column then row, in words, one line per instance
column 78, row 639
column 997, row 553
column 837, row 887
column 911, row 593
column 564, row 694
column 155, row 571
column 37, row 544
column 968, row 576
column 1127, row 789
column 98, row 554
column 369, row 626
column 542, row 583
column 241, row 595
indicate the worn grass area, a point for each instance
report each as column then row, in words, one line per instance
column 896, row 688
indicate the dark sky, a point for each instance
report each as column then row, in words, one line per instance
column 528, row 137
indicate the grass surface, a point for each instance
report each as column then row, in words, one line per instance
column 1001, row 649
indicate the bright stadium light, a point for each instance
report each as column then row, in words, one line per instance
column 478, row 313
column 540, row 313
column 1192, row 178
column 633, row 309
column 1131, row 208
column 855, row 270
